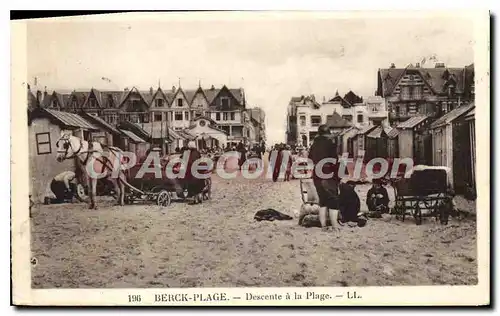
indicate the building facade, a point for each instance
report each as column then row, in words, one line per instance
column 305, row 115
column 175, row 108
column 413, row 90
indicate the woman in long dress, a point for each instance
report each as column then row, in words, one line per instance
column 194, row 184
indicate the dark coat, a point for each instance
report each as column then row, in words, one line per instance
column 323, row 147
column 349, row 204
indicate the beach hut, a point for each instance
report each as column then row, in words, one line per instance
column 107, row 134
column 393, row 143
column 136, row 140
column 344, row 141
column 414, row 140
column 377, row 143
column 451, row 144
column 359, row 141
column 44, row 129
column 470, row 118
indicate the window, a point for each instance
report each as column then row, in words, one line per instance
column 315, row 120
column 224, row 116
column 360, row 118
column 136, row 106
column 178, row 116
column 233, row 116
column 200, row 105
column 405, row 93
column 347, row 118
column 110, row 101
column 157, row 117
column 159, row 103
column 144, row 118
column 186, row 116
column 179, row 102
column 54, row 104
column 302, row 120
column 417, row 93
column 224, row 103
column 217, row 116
column 73, row 102
column 43, row 144
column 373, row 107
column 92, row 103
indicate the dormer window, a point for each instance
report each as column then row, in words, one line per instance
column 159, row 103
column 54, row 104
column 179, row 102
column 92, row 103
column 224, row 103
column 110, row 101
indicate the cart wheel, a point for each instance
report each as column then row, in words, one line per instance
column 80, row 193
column 208, row 192
column 418, row 214
column 163, row 198
column 444, row 212
column 128, row 199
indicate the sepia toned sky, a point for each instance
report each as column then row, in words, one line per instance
column 272, row 59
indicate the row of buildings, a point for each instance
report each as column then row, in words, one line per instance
column 164, row 113
column 426, row 114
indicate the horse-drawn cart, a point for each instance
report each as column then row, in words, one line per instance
column 426, row 192
column 162, row 189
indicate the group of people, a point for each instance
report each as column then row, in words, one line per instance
column 337, row 199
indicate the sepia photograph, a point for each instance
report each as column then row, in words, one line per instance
column 247, row 158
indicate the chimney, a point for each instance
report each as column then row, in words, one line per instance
column 173, row 89
column 126, row 89
column 212, row 87
column 392, row 65
column 439, row 65
column 417, row 65
column 39, row 96
column 45, row 93
column 29, row 87
column 151, row 90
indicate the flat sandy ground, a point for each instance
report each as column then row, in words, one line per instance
column 218, row 244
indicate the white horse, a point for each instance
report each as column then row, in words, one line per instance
column 70, row 147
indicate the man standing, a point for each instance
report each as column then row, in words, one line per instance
column 325, row 176
column 243, row 154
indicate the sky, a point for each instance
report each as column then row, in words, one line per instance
column 272, row 57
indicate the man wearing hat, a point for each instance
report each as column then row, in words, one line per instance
column 327, row 184
column 377, row 199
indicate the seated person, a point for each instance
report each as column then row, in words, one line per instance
column 349, row 203
column 377, row 199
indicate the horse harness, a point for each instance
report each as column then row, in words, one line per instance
column 67, row 144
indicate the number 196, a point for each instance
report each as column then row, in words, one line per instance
column 134, row 298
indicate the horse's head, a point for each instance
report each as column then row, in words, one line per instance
column 67, row 146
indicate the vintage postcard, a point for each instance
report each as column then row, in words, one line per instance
column 251, row 158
